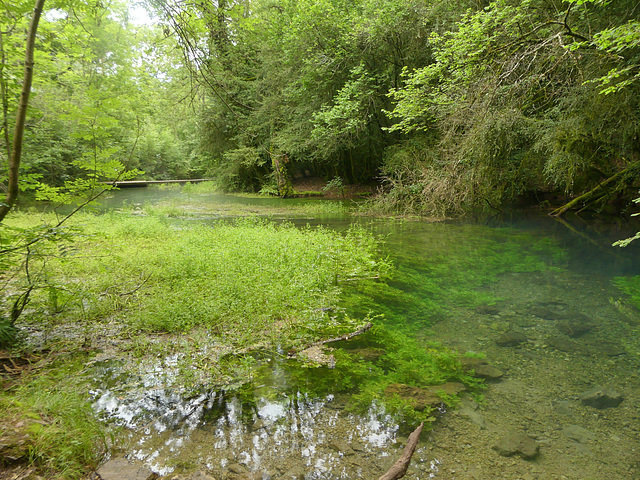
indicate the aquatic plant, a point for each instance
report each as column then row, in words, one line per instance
column 247, row 281
column 423, row 289
column 630, row 286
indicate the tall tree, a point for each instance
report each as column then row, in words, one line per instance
column 21, row 115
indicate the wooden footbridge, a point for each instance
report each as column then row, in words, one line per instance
column 146, row 183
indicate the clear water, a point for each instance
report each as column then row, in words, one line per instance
column 542, row 278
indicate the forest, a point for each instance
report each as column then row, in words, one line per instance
column 446, row 106
column 131, row 328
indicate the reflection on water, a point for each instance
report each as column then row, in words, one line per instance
column 268, row 429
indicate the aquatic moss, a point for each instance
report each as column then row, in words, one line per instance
column 367, row 365
column 445, row 268
column 630, row 286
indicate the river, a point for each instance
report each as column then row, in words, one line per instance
column 534, row 297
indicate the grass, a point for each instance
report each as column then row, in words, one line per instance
column 48, row 410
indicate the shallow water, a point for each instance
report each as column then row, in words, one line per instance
column 542, row 278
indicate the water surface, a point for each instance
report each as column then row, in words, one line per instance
column 461, row 284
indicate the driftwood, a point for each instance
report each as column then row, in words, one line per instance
column 399, row 468
column 585, row 198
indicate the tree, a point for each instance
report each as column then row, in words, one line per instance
column 511, row 106
column 16, row 149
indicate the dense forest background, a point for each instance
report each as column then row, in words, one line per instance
column 447, row 105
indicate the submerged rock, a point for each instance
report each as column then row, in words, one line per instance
column 609, row 349
column 511, row 339
column 123, row 469
column 469, row 409
column 577, row 433
column 316, row 354
column 601, row 397
column 422, row 398
column 517, row 443
column 369, row 354
column 549, row 311
column 341, row 446
column 563, row 344
column 576, row 326
column 199, row 475
column 295, row 473
column 482, row 368
column 563, row 407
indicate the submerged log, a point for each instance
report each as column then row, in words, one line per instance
column 399, row 468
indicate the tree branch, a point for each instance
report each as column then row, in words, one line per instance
column 399, row 468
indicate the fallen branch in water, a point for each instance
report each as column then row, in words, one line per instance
column 399, row 468
column 346, row 336
column 586, row 198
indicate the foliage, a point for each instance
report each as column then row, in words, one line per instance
column 492, row 103
column 511, row 102
column 105, row 92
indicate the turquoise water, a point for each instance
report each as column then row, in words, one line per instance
column 464, row 285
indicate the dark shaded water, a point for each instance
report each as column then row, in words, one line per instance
column 463, row 285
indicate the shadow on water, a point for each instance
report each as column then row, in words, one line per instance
column 463, row 285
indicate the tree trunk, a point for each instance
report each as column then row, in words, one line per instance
column 5, row 100
column 281, row 169
column 21, row 115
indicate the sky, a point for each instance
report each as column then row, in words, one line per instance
column 140, row 16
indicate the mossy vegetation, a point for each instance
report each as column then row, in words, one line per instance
column 630, row 286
